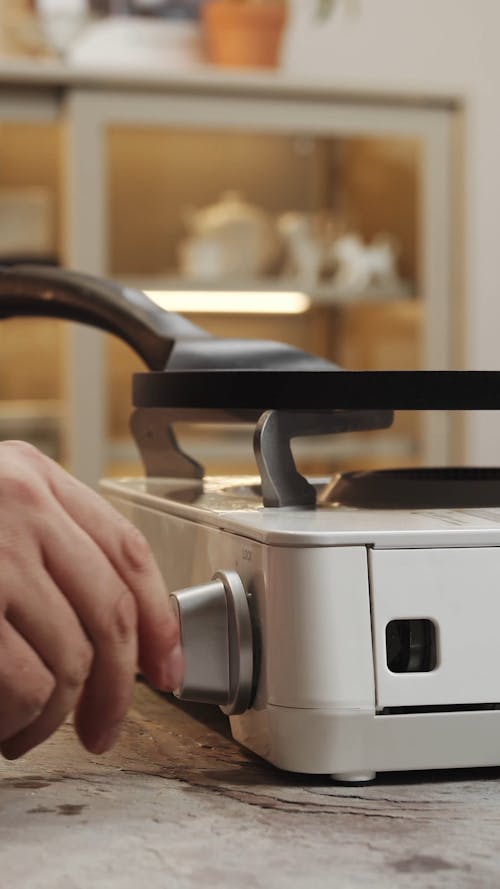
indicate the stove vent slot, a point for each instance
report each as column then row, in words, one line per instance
column 438, row 708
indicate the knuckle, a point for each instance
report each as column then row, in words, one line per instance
column 121, row 624
column 24, row 452
column 10, row 549
column 35, row 699
column 23, row 448
column 75, row 673
column 21, row 490
column 135, row 549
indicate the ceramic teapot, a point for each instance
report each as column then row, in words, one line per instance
column 229, row 239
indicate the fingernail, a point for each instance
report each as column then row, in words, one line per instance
column 107, row 740
column 10, row 752
column 174, row 669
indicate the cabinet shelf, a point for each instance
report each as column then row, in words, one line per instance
column 173, row 291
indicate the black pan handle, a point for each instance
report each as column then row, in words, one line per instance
column 51, row 292
column 164, row 340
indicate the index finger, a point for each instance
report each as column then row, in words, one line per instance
column 160, row 654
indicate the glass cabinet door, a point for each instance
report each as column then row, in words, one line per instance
column 338, row 223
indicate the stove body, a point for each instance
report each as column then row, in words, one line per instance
column 375, row 632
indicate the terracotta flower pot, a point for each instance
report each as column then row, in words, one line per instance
column 243, row 34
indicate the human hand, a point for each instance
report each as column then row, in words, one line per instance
column 82, row 604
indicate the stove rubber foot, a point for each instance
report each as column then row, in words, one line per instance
column 354, row 779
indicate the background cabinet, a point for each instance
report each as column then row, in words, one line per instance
column 122, row 160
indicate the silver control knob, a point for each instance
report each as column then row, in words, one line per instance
column 216, row 634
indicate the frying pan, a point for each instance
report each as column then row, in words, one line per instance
column 285, row 391
column 188, row 368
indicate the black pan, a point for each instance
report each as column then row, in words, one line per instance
column 188, row 368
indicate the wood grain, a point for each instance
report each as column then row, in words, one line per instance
column 178, row 804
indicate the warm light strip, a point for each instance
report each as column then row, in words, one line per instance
column 272, row 302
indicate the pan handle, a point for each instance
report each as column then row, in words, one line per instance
column 131, row 315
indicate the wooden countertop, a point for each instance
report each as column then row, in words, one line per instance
column 178, row 804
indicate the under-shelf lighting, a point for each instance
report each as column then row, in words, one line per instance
column 259, row 302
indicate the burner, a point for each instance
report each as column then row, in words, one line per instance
column 419, row 488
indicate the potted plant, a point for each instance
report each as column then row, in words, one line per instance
column 244, row 33
column 248, row 32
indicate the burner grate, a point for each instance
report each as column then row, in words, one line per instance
column 450, row 487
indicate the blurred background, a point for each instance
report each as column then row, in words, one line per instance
column 321, row 173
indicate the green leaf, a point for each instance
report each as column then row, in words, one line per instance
column 324, row 9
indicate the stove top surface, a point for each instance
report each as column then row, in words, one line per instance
column 234, row 504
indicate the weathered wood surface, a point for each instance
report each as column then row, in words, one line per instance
column 178, row 804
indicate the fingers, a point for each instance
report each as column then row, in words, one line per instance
column 92, row 657
column 160, row 655
column 90, row 596
column 48, row 624
column 108, row 613
column 26, row 685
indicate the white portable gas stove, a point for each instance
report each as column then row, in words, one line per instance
column 343, row 640
column 346, row 626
